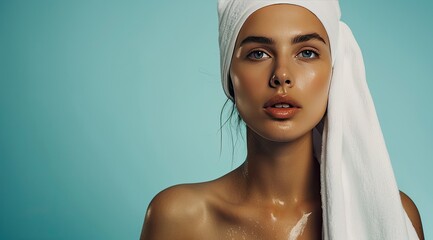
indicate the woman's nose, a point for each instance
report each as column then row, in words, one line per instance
column 275, row 82
column 281, row 75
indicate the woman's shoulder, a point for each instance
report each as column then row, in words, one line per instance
column 412, row 212
column 180, row 198
column 190, row 199
column 172, row 212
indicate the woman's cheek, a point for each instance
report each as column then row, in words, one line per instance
column 249, row 84
column 318, row 93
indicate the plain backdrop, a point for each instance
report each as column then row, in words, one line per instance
column 105, row 103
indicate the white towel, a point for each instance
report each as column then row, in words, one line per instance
column 360, row 198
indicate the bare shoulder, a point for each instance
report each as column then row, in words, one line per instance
column 412, row 211
column 187, row 211
column 173, row 211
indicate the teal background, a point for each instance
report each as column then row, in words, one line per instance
column 105, row 103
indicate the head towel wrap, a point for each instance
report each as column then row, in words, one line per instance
column 360, row 198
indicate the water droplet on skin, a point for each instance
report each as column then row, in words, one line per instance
column 274, row 219
column 278, row 202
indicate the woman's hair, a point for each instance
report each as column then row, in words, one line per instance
column 231, row 89
column 230, row 120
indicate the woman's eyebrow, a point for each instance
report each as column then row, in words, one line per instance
column 307, row 37
column 295, row 40
column 257, row 39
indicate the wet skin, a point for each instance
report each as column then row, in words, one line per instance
column 278, row 186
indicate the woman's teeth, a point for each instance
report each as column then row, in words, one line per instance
column 282, row 105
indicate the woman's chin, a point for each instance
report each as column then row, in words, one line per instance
column 281, row 134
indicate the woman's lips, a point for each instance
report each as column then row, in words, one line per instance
column 281, row 107
column 281, row 113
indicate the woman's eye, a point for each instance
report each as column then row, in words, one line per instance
column 308, row 54
column 257, row 55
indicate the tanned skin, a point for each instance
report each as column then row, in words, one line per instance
column 279, row 182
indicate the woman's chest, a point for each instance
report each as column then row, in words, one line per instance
column 259, row 224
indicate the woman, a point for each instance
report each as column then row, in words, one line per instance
column 316, row 166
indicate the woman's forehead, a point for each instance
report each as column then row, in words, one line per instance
column 282, row 21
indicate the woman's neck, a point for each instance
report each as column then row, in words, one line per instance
column 281, row 172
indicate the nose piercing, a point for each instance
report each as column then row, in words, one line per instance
column 275, row 82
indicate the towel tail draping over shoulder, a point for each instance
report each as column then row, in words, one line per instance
column 360, row 198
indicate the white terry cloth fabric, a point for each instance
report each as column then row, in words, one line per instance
column 360, row 198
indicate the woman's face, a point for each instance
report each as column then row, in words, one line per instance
column 281, row 70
